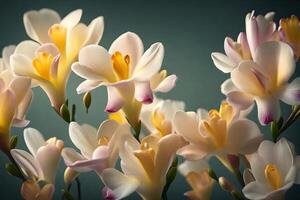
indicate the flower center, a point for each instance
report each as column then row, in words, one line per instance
column 273, row 176
column 146, row 156
column 121, row 65
column 103, row 140
column 58, row 35
column 42, row 64
column 158, row 120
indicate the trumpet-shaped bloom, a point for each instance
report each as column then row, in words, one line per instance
column 144, row 167
column 99, row 149
column 289, row 31
column 48, row 60
column 32, row 191
column 271, row 175
column 158, row 116
column 130, row 74
column 42, row 163
column 217, row 133
column 16, row 89
column 265, row 80
column 196, row 174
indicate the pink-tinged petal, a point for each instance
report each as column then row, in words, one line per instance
column 194, row 151
column 240, row 100
column 167, row 84
column 23, row 107
column 120, row 184
column 48, row 158
column 228, row 86
column 95, row 31
column 27, row 163
column 150, row 62
column 276, row 60
column 256, row 190
column 8, row 109
column 108, row 194
column 248, row 79
column 98, row 165
column 84, row 138
column 252, row 31
column 242, row 39
column 268, row 109
column 291, row 94
column 88, row 85
column 20, row 123
column 244, row 137
column 230, row 50
column 37, row 23
column 46, row 193
column 193, row 166
column 29, row 190
column 128, row 44
column 114, row 100
column 72, row 19
column 96, row 59
column 20, row 86
column 143, row 92
column 33, row 140
column 223, row 62
column 49, row 48
column 70, row 156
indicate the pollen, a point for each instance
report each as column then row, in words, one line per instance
column 121, row 65
column 273, row 176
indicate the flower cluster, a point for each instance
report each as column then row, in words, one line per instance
column 144, row 133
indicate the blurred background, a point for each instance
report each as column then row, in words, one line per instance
column 190, row 31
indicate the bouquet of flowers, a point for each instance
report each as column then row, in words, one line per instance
column 137, row 148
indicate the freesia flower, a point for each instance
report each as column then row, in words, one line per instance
column 48, row 60
column 265, row 80
column 289, row 31
column 32, row 191
column 99, row 149
column 144, row 167
column 130, row 74
column 42, row 163
column 196, row 174
column 271, row 175
column 222, row 133
column 158, row 116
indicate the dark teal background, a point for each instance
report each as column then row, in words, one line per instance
column 190, row 31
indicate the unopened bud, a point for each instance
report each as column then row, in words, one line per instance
column 87, row 100
column 13, row 142
column 65, row 113
column 212, row 174
column 70, row 175
column 226, row 185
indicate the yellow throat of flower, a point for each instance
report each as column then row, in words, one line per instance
column 160, row 123
column 103, row 140
column 42, row 65
column 146, row 157
column 273, row 176
column 121, row 65
column 58, row 35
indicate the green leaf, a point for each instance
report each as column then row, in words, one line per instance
column 13, row 142
column 212, row 174
column 13, row 170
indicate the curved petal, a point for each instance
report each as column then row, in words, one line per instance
column 194, row 152
column 283, row 150
column 277, row 59
column 228, row 86
column 120, row 184
column 114, row 100
column 258, row 165
column 229, row 47
column 22, row 66
column 72, row 18
column 83, row 139
column 33, row 140
column 223, row 63
column 268, row 109
column 37, row 24
column 49, row 48
column 27, row 48
column 150, row 62
column 20, row 86
column 291, row 94
column 27, row 163
column 98, row 60
column 46, row 193
column 248, row 176
column 95, row 31
column 128, row 44
column 256, row 190
column 6, row 53
column 192, row 166
column 244, row 137
column 8, row 109
column 87, row 86
column 240, row 100
column 107, row 128
column 86, row 72
column 167, row 84
column 143, row 92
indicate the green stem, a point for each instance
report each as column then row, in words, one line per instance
column 78, row 188
column 291, row 119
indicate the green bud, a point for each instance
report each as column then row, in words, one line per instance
column 13, row 142
column 64, row 113
column 87, row 100
column 274, row 130
column 212, row 174
column 13, row 170
column 67, row 194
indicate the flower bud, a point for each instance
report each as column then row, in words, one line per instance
column 87, row 100
column 226, row 185
column 70, row 175
column 64, row 112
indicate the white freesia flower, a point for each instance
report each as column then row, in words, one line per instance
column 99, row 149
column 196, row 174
column 130, row 74
column 221, row 133
column 42, row 163
column 48, row 60
column 15, row 94
column 158, row 116
column 274, row 169
column 144, row 167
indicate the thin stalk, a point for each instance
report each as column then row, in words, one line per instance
column 78, row 188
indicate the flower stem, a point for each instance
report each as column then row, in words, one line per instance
column 78, row 188
column 290, row 120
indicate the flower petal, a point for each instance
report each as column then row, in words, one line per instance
column 72, row 18
column 143, row 92
column 150, row 62
column 6, row 53
column 27, row 48
column 167, row 84
column 128, row 44
column 291, row 94
column 87, row 86
column 192, row 166
column 22, row 66
column 268, row 109
column 228, row 86
column 222, row 62
column 46, row 193
column 20, row 86
column 8, row 109
column 37, row 23
column 297, row 163
column 194, row 152
column 114, row 100
column 107, row 128
column 33, row 140
column 231, row 51
column 256, row 190
column 258, row 165
column 283, row 150
column 95, row 31
column 240, row 100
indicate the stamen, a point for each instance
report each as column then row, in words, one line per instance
column 273, row 176
column 121, row 65
column 42, row 64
